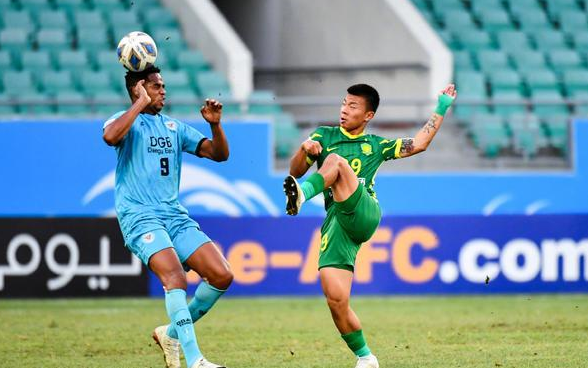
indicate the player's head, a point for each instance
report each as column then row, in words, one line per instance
column 359, row 106
column 153, row 85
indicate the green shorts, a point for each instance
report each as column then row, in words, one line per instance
column 348, row 224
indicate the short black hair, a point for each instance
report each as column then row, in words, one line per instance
column 131, row 78
column 368, row 92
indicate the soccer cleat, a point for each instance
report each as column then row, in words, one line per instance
column 203, row 363
column 369, row 361
column 293, row 195
column 169, row 345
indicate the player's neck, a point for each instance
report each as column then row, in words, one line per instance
column 354, row 132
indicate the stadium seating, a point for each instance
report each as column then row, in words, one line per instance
column 515, row 59
column 58, row 57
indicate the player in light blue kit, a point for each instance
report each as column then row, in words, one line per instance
column 155, row 226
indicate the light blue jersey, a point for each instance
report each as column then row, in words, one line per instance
column 148, row 175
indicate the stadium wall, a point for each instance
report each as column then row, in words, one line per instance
column 327, row 55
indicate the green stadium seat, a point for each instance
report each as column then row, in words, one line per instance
column 53, row 19
column 471, row 83
column 53, row 81
column 286, row 135
column 13, row 20
column 72, row 103
column 108, row 5
column 72, row 6
column 489, row 134
column 513, row 41
column 422, row 5
column 92, row 82
column 549, row 103
column 520, row 122
column 458, row 20
column 440, row 7
column 192, row 61
column 508, row 102
column 463, row 60
column 109, row 102
column 448, row 39
column 505, row 80
column 35, row 103
column 53, row 40
column 121, row 30
column 183, row 101
column 211, row 84
column 117, row 76
column 575, row 80
column 16, row 83
column 557, row 129
column 176, row 80
column 580, row 40
column 474, row 40
column 469, row 105
column 563, row 60
column 556, row 8
column 480, row 6
column 573, row 21
column 263, row 102
column 6, row 5
column 541, row 80
column 123, row 18
column 495, row 19
column 159, row 16
column 6, row 60
column 89, row 19
column 169, row 39
column 527, row 134
column 75, row 61
column 7, row 107
column 492, row 60
column 528, row 59
column 531, row 20
column 36, row 61
column 581, row 103
column 34, row 7
column 107, row 60
column 14, row 41
column 93, row 39
column 548, row 40
column 517, row 7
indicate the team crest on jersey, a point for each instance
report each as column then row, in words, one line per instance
column 171, row 125
column 366, row 149
column 148, row 238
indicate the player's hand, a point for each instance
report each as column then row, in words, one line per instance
column 140, row 92
column 445, row 99
column 211, row 111
column 312, row 148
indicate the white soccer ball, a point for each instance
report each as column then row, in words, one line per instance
column 136, row 51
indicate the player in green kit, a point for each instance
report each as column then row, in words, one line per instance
column 348, row 160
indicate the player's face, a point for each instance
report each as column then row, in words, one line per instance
column 354, row 113
column 156, row 90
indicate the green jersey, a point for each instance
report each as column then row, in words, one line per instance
column 364, row 153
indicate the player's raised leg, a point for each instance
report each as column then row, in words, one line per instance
column 334, row 173
column 336, row 285
column 167, row 267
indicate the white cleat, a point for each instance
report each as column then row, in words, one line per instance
column 293, row 195
column 169, row 345
column 203, row 363
column 369, row 361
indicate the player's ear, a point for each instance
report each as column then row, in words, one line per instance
column 369, row 115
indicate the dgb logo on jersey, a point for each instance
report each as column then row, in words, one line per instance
column 366, row 149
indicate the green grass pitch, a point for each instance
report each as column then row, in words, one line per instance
column 494, row 331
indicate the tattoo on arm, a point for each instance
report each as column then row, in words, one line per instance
column 407, row 145
column 431, row 124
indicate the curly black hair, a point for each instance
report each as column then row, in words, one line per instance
column 131, row 78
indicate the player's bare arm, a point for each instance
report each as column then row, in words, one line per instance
column 299, row 164
column 421, row 141
column 116, row 131
column 217, row 148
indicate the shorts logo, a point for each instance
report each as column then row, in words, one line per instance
column 148, row 238
column 171, row 125
column 366, row 149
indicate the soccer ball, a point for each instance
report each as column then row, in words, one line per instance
column 136, row 51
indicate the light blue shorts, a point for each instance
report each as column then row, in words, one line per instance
column 179, row 232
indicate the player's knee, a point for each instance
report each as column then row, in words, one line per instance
column 337, row 302
column 333, row 159
column 222, row 279
column 174, row 280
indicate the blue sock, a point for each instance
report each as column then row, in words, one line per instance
column 204, row 298
column 177, row 310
